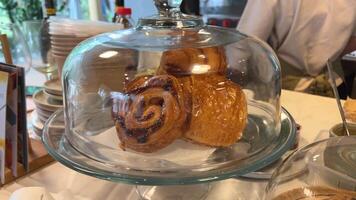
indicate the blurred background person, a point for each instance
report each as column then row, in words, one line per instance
column 304, row 34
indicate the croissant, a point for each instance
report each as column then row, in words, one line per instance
column 151, row 115
column 218, row 106
column 193, row 61
column 219, row 110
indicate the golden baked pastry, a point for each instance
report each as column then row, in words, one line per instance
column 191, row 98
column 317, row 193
column 151, row 115
column 219, row 110
column 193, row 61
column 350, row 110
column 218, row 106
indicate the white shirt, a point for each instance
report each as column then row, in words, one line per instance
column 304, row 33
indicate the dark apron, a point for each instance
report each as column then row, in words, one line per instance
column 319, row 85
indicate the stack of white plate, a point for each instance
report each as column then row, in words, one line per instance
column 65, row 34
column 47, row 101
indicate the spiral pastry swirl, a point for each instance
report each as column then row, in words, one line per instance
column 152, row 114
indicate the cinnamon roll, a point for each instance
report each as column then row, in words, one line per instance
column 152, row 113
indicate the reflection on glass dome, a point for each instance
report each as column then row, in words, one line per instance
column 169, row 88
column 323, row 170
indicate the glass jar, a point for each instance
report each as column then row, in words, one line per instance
column 18, row 47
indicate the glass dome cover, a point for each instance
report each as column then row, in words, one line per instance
column 172, row 94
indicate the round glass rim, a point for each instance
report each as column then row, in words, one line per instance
column 284, row 140
column 293, row 157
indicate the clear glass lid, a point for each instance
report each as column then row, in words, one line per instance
column 322, row 170
column 169, row 93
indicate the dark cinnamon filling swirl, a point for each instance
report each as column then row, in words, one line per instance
column 140, row 134
column 156, row 111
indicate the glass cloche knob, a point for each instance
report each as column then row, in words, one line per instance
column 167, row 7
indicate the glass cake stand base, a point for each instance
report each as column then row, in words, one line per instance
column 160, row 184
column 181, row 192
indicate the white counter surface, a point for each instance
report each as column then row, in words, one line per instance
column 313, row 113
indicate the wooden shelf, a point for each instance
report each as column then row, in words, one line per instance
column 38, row 157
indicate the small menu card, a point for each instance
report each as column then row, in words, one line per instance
column 3, row 94
column 13, row 131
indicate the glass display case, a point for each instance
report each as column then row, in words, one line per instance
column 170, row 102
column 136, row 80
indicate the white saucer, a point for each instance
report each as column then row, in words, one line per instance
column 44, row 102
column 36, row 123
column 46, row 114
column 56, row 97
column 53, row 87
